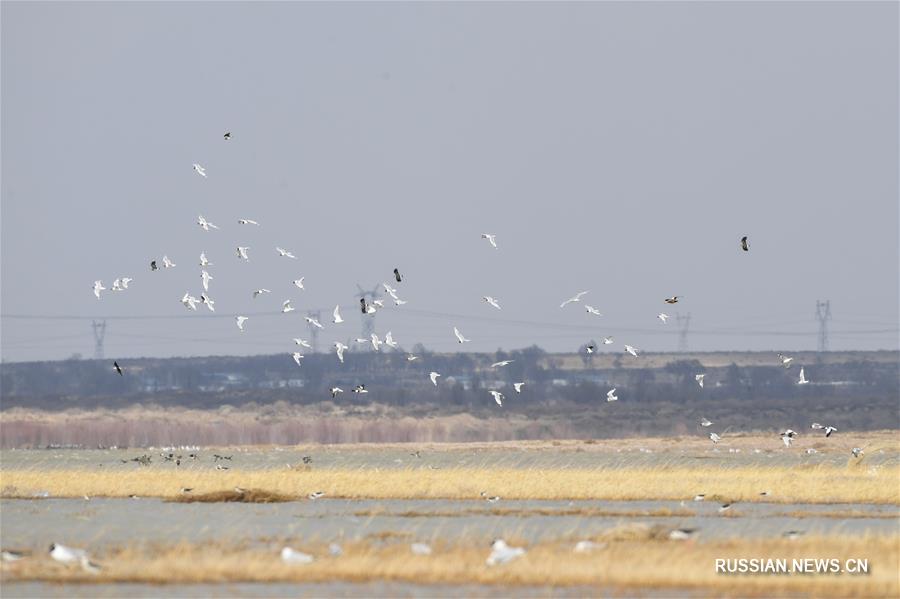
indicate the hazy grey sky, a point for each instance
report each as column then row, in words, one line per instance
column 619, row 148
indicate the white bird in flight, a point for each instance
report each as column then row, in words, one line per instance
column 168, row 263
column 704, row 422
column 389, row 341
column 611, row 395
column 575, row 298
column 699, row 378
column 663, row 317
column 200, row 170
column 247, row 221
column 208, row 302
column 240, row 320
column 242, row 252
column 205, row 277
column 259, row 292
column 592, row 310
column 492, row 239
column 302, row 342
column 299, row 283
column 335, row 391
column 284, row 253
column 203, row 260
column 607, row 341
column 337, row 316
column 297, row 357
column 518, row 387
column 98, row 287
column 491, row 301
column 339, row 349
column 189, row 301
column 411, row 357
column 205, row 224
column 785, row 360
column 287, row 307
column 502, row 363
column 313, row 322
column 434, row 377
column 803, row 380
column 498, row 397
column 376, row 342
column 714, row 438
column 632, row 350
column 459, row 336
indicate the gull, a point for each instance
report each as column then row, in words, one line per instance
column 498, row 397
column 240, row 320
column 221, row 467
column 117, row 367
column 590, row 348
column 168, row 263
column 411, row 358
column 259, row 292
column 153, row 266
column 360, row 388
column 297, row 357
column 725, row 507
column 459, row 336
column 502, row 553
column 699, row 379
column 339, row 349
column 803, row 380
column 420, row 549
column 117, row 285
column 227, row 135
column 787, row 437
column 829, row 430
column 663, row 317
column 397, row 276
column 575, row 298
column 313, row 322
column 336, row 319
column 492, row 499
column 284, row 253
column 379, row 303
column 745, row 245
column 66, row 555
column 856, row 451
column 491, row 301
column 632, row 350
column 205, row 224
column 785, row 360
column 247, row 221
column 125, row 281
column 390, row 290
column 208, row 302
column 502, row 363
column 607, row 341
column 389, row 341
column 89, row 566
column 434, row 377
column 98, row 287
column 682, row 534
column 292, row 556
column 335, row 391
column 699, row 497
column 793, row 534
column 12, row 556
column 611, row 395
column 299, row 283
column 203, row 260
column 492, row 239
column 592, row 310
column 714, row 438
column 242, row 252
column 518, row 387
column 189, row 301
column 704, row 422
column 672, row 300
column 302, row 342
column 816, row 426
column 287, row 307
column 399, row 302
column 376, row 342
column 587, row 546
column 361, row 340
column 200, row 170
column 205, row 277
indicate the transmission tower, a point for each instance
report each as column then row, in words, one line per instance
column 823, row 315
column 683, row 331
column 314, row 330
column 99, row 334
column 368, row 320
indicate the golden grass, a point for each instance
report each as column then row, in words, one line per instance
column 813, row 484
column 633, row 557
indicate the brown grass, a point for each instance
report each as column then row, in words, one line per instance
column 247, row 496
column 629, row 558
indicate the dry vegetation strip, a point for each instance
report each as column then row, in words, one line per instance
column 819, row 484
column 635, row 557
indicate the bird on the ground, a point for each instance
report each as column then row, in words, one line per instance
column 118, row 368
column 803, row 380
column 247, row 221
column 856, row 451
column 792, row 534
column 259, row 292
column 575, row 298
column 459, row 336
column 745, row 245
column 168, row 263
column 672, row 300
column 98, row 287
column 502, row 363
column 714, row 438
column 336, row 315
column 681, row 534
column 434, row 377
column 200, row 170
column 420, row 549
column 498, row 397
column 203, row 260
column 785, row 360
column 502, row 553
column 285, row 253
column 287, row 307
column 611, row 395
column 302, row 342
column 153, row 266
column 829, row 430
column 663, row 317
column 699, row 378
column 205, row 224
column 699, row 497
column 299, row 283
column 397, row 276
column 704, row 422
column 8, row 555
column 608, row 341
column 313, row 322
column 490, row 499
column 189, row 301
column 725, row 507
column 292, row 556
column 66, row 555
column 389, row 341
column 334, row 391
column 518, row 387
column 242, row 252
column 205, row 278
column 221, row 467
column 240, row 320
column 592, row 310
column 360, row 388
column 492, row 239
column 186, row 490
column 339, row 350
column 297, row 357
column 632, row 350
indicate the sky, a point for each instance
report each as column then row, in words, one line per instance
column 620, row 148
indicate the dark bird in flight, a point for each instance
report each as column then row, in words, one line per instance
column 227, row 135
column 118, row 368
column 673, row 299
column 397, row 275
column 362, row 305
column 744, row 244
column 153, row 265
